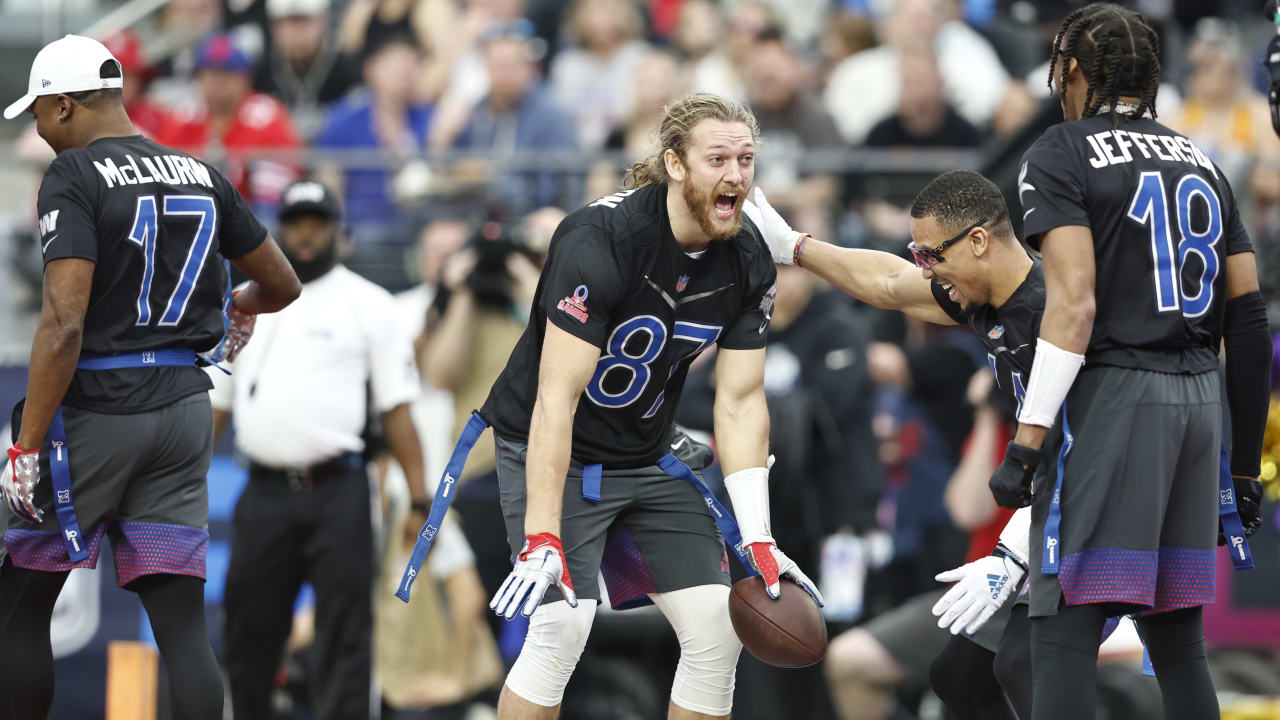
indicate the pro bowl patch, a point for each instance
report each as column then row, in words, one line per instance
column 575, row 305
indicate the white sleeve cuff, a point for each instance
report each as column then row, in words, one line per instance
column 1052, row 374
column 749, row 491
column 1016, row 536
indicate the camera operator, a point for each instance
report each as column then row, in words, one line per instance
column 478, row 314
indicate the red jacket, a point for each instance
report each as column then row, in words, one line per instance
column 261, row 123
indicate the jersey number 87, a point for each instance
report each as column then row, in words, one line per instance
column 1150, row 208
column 616, row 358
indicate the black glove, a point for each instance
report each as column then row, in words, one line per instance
column 1011, row 483
column 1248, row 506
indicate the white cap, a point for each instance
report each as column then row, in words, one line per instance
column 277, row 9
column 72, row 64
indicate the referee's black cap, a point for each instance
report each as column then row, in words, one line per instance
column 309, row 196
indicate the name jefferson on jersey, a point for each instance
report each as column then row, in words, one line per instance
column 616, row 278
column 154, row 223
column 1163, row 220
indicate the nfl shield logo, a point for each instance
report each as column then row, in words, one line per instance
column 681, row 283
column 996, row 332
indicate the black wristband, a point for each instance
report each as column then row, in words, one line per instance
column 1001, row 551
column 421, row 506
column 1029, row 458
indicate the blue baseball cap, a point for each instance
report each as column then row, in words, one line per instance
column 220, row 52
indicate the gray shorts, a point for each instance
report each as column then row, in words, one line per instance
column 649, row 532
column 910, row 634
column 1139, row 499
column 138, row 479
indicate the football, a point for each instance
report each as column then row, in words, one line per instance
column 788, row 632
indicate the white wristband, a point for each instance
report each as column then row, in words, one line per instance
column 1052, row 374
column 1016, row 535
column 749, row 491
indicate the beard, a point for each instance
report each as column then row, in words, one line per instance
column 702, row 206
column 308, row 270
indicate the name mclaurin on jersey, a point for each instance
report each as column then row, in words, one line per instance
column 171, row 169
column 1169, row 148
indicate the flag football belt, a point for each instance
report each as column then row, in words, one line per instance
column 591, row 486
column 1229, row 517
column 59, row 453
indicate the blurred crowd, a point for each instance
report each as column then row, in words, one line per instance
column 459, row 133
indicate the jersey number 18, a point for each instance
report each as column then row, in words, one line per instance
column 1150, row 208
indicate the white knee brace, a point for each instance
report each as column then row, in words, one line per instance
column 557, row 634
column 709, row 648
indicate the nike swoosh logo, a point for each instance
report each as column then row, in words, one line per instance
column 46, row 245
column 677, row 445
column 1025, row 214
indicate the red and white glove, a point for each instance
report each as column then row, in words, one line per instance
column 749, row 491
column 239, row 330
column 18, row 483
column 539, row 564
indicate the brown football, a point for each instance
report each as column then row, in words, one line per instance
column 788, row 632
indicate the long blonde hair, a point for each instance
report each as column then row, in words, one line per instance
column 676, row 127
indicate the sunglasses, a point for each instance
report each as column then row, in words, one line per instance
column 928, row 257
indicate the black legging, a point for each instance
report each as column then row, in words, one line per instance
column 973, row 682
column 1065, row 647
column 175, row 606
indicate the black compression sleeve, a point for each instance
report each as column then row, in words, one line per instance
column 1248, row 343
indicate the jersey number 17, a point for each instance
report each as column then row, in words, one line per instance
column 1150, row 208
column 146, row 227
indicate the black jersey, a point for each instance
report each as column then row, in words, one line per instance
column 1163, row 220
column 616, row 278
column 1009, row 332
column 154, row 221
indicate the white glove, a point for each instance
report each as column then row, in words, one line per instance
column 981, row 587
column 776, row 232
column 539, row 564
column 18, row 483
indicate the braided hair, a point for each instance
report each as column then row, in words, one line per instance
column 1119, row 54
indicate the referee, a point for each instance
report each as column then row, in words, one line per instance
column 299, row 397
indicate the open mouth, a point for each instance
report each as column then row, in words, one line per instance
column 725, row 205
column 951, row 291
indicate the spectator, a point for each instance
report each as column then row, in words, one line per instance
column 383, row 117
column 304, row 67
column 250, row 132
column 433, row 410
column 924, row 117
column 844, row 35
column 793, row 123
column 147, row 116
column 658, row 81
column 368, row 24
column 595, row 80
column 478, row 315
column 699, row 38
column 1221, row 114
column 863, row 88
column 518, row 116
column 436, row 656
